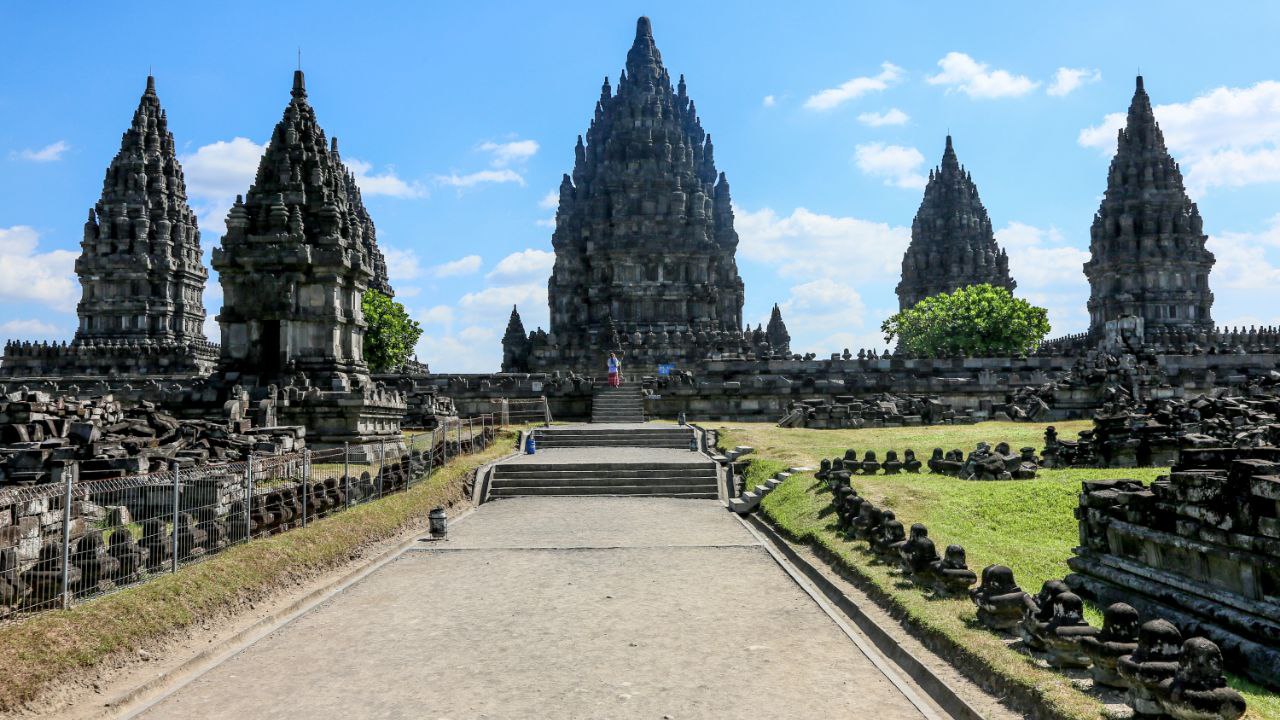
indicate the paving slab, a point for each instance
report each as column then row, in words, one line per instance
column 560, row 608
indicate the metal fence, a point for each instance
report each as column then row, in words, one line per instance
column 68, row 540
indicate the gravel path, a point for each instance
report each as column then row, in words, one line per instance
column 560, row 608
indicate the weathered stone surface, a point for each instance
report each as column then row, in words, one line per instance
column 141, row 270
column 1149, row 259
column 952, row 241
column 1191, row 547
column 644, row 236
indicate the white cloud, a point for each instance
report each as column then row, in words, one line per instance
column 769, row 101
column 978, row 80
column 386, row 183
column 1226, row 137
column 1245, row 263
column 462, row 266
column 49, row 153
column 28, row 329
column 550, row 201
column 524, row 263
column 437, row 315
column 1067, row 80
column 505, row 175
column 898, row 166
column 810, row 245
column 27, row 275
column 504, row 154
column 215, row 174
column 496, row 298
column 401, row 264
column 890, row 74
column 1039, row 258
column 892, row 116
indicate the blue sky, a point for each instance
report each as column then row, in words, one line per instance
column 461, row 117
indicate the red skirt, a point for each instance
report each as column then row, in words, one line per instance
column 615, row 380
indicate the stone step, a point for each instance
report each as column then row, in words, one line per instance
column 604, row 467
column 597, row 481
column 654, row 444
column 612, row 477
column 678, row 491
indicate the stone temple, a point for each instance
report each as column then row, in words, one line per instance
column 644, row 237
column 294, row 263
column 1149, row 259
column 140, row 267
column 952, row 241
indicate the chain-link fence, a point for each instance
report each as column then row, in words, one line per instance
column 72, row 539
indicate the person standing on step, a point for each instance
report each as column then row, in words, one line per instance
column 615, row 371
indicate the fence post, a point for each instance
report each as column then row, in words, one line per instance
column 306, row 483
column 382, row 464
column 346, row 472
column 176, row 480
column 249, row 505
column 431, row 459
column 546, row 412
column 69, row 471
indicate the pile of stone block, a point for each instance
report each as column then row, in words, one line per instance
column 1197, row 546
column 877, row 410
column 109, row 440
column 1151, row 434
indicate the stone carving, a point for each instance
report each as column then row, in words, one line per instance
column 1001, row 603
column 1148, row 256
column 644, row 236
column 951, row 576
column 294, row 263
column 141, row 271
column 952, row 241
column 1066, row 630
column 1153, row 663
column 1198, row 690
column 1118, row 637
column 1038, row 612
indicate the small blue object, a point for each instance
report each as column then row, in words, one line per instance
column 530, row 446
column 665, row 369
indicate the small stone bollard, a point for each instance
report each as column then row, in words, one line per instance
column 438, row 521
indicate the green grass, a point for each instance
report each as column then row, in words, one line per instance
column 39, row 651
column 1027, row 525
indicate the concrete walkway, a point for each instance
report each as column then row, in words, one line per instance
column 560, row 608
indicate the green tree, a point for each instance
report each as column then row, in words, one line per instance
column 978, row 321
column 391, row 335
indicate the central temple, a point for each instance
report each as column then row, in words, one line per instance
column 644, row 237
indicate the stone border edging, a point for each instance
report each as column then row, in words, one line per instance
column 141, row 698
column 941, row 693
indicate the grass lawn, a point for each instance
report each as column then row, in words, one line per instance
column 1027, row 525
column 37, row 652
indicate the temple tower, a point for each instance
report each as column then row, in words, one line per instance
column 776, row 332
column 294, row 263
column 1147, row 242
column 515, row 344
column 644, row 231
column 952, row 241
column 141, row 271
column 295, row 260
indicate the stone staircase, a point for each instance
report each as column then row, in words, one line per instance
column 693, row 479
column 617, row 405
column 655, row 436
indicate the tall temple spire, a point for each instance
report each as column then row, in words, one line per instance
column 367, row 231
column 515, row 344
column 294, row 262
column 644, row 231
column 776, row 332
column 140, row 266
column 953, row 244
column 1147, row 244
